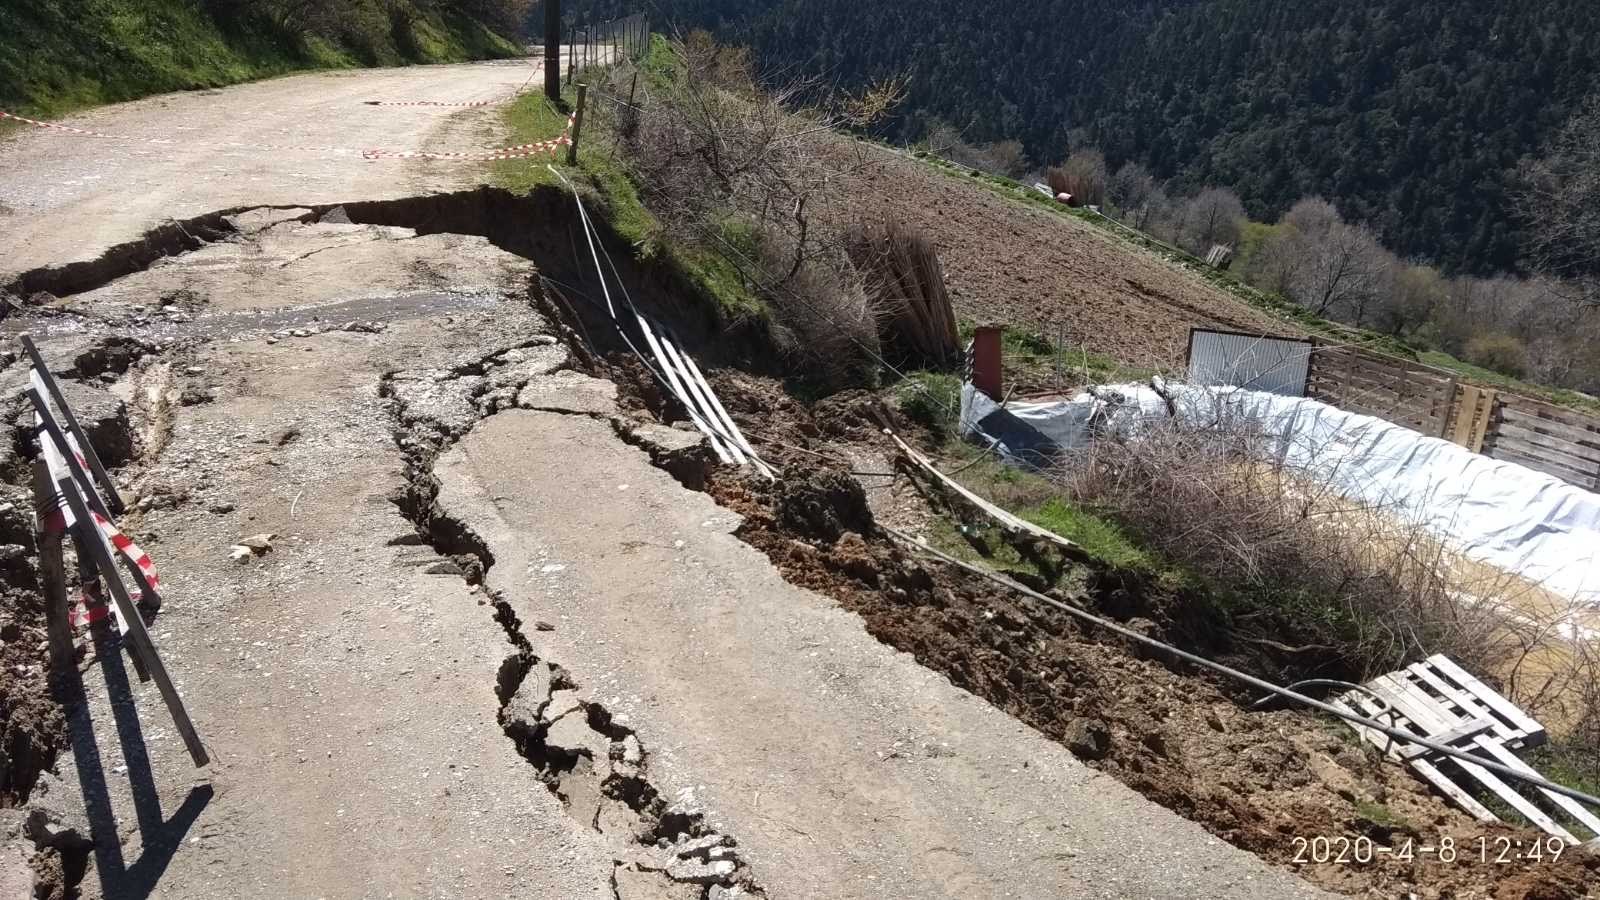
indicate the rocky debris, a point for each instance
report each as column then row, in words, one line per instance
column 524, row 709
column 254, row 221
column 104, row 418
column 571, row 734
column 335, row 216
column 683, row 453
column 570, row 392
column 252, row 546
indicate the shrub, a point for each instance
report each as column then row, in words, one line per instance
column 1499, row 352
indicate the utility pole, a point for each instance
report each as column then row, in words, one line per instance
column 552, row 50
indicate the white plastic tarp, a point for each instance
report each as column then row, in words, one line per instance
column 1499, row 513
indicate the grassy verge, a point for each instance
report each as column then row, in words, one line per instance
column 603, row 176
column 1277, row 306
column 56, row 57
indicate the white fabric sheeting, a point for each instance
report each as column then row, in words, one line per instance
column 1525, row 522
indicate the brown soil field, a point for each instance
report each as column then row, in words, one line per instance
column 1010, row 264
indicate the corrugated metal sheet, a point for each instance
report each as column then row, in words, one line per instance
column 1275, row 365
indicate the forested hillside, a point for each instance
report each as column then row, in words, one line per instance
column 59, row 55
column 1410, row 116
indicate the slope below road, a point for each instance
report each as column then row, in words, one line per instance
column 845, row 768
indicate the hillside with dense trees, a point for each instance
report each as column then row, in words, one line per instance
column 1410, row 117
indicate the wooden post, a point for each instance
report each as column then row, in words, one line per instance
column 633, row 88
column 552, row 50
column 113, row 500
column 48, row 528
column 577, row 125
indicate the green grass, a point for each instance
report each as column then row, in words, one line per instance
column 603, row 177
column 1099, row 537
column 1378, row 814
column 932, row 400
column 57, row 57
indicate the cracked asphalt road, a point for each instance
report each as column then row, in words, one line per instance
column 70, row 196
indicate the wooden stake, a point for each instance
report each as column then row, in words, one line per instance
column 47, row 532
column 577, row 125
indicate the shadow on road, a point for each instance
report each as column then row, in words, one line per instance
column 159, row 837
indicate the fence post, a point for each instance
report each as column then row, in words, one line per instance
column 552, row 50
column 577, row 125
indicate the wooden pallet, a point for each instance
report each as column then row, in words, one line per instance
column 1438, row 700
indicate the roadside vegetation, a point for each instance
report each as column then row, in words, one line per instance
column 57, row 56
column 730, row 184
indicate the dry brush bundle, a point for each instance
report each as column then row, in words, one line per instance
column 906, row 285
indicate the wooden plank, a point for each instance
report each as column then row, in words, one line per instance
column 1417, row 704
column 102, row 477
column 1558, row 414
column 1561, row 451
column 1470, row 705
column 1428, row 716
column 1466, row 414
column 1570, row 806
column 1582, row 437
column 1447, row 400
column 52, row 568
column 1424, row 768
column 1447, row 667
column 1452, row 738
column 1540, row 464
column 1379, row 395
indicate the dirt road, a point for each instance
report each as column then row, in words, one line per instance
column 493, row 651
column 70, row 196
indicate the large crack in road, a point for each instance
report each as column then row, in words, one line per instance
column 593, row 763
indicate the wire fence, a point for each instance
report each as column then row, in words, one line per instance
column 607, row 43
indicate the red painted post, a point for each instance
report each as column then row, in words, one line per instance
column 987, row 369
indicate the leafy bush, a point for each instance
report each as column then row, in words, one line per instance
column 1498, row 352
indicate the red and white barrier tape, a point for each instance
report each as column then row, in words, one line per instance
column 83, row 131
column 125, row 546
column 517, row 152
column 463, row 104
